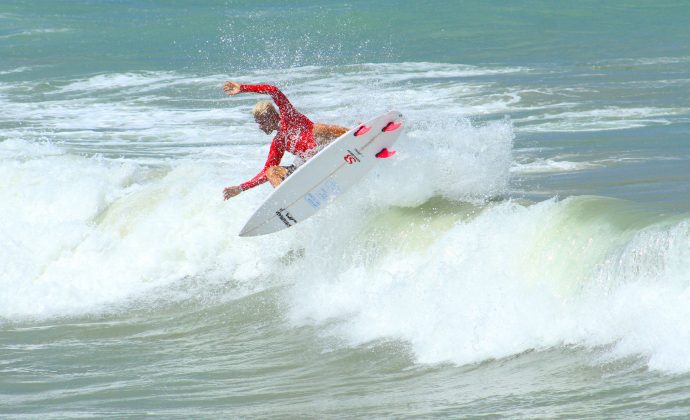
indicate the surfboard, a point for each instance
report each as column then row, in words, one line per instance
column 327, row 175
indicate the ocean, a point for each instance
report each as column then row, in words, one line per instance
column 526, row 253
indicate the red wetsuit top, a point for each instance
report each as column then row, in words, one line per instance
column 295, row 134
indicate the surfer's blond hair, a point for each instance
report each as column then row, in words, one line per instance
column 263, row 108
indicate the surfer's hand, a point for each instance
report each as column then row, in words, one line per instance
column 231, row 88
column 230, row 192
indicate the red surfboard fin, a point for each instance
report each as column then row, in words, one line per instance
column 385, row 153
column 362, row 130
column 391, row 126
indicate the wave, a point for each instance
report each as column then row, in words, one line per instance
column 184, row 109
column 461, row 281
column 106, row 200
column 80, row 233
column 586, row 272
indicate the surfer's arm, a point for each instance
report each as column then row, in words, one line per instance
column 275, row 155
column 284, row 105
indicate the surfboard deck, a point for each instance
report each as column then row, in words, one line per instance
column 327, row 175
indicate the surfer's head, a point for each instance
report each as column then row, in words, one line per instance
column 266, row 116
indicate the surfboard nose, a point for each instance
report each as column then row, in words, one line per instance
column 245, row 231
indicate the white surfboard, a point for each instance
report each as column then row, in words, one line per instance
column 327, row 175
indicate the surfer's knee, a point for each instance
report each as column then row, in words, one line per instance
column 276, row 171
column 275, row 175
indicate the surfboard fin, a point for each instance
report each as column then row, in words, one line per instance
column 362, row 130
column 385, row 153
column 391, row 126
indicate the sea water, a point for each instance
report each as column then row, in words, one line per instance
column 526, row 253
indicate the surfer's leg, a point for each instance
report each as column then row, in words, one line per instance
column 324, row 134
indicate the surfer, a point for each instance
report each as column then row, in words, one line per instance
column 297, row 134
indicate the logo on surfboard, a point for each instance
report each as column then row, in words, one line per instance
column 286, row 218
column 351, row 157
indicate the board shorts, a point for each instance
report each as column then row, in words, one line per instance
column 290, row 169
column 299, row 161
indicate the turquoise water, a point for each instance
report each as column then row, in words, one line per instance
column 524, row 255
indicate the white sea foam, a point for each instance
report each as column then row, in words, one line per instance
column 33, row 32
column 611, row 118
column 513, row 279
column 15, row 70
column 67, row 115
column 81, row 233
column 551, row 165
column 400, row 72
column 646, row 61
column 120, row 81
column 88, row 232
column 136, row 82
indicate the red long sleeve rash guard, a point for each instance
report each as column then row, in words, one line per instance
column 295, row 134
